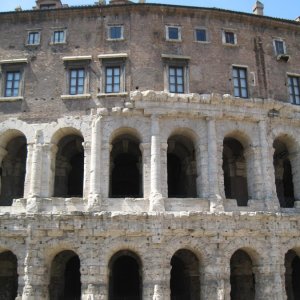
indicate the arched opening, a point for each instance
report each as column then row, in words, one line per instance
column 242, row 278
column 69, row 167
column 125, row 279
column 235, row 171
column 182, row 172
column 283, row 174
column 185, row 276
column 65, row 281
column 292, row 275
column 13, row 170
column 126, row 167
column 8, row 276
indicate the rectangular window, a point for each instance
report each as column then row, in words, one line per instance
column 201, row 35
column 229, row 37
column 240, row 82
column 77, row 78
column 279, row 47
column 112, row 79
column 58, row 36
column 176, row 79
column 12, row 84
column 115, row 32
column 173, row 33
column 294, row 89
column 33, row 38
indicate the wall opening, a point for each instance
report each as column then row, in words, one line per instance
column 182, row 172
column 8, row 276
column 242, row 278
column 185, row 276
column 283, row 174
column 65, row 281
column 69, row 167
column 126, row 168
column 13, row 170
column 292, row 275
column 235, row 171
column 125, row 279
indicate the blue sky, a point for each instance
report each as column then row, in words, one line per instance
column 287, row 9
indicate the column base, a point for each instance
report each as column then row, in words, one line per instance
column 157, row 202
column 94, row 202
column 216, row 203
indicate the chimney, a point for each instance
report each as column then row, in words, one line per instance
column 258, row 8
column 18, row 8
column 298, row 19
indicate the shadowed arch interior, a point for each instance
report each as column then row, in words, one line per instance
column 235, row 171
column 13, row 170
column 125, row 279
column 8, row 276
column 292, row 275
column 65, row 281
column 185, row 276
column 69, row 167
column 242, row 278
column 126, row 167
column 182, row 172
column 283, row 174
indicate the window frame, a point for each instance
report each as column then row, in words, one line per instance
column 178, row 27
column 176, row 77
column 240, row 79
column 224, row 39
column 293, row 94
column 53, row 42
column 206, row 35
column 279, row 40
column 109, row 27
column 77, row 78
column 37, row 43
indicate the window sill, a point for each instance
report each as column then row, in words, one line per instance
column 171, row 40
column 123, row 94
column 230, row 45
column 115, row 40
column 57, row 44
column 11, row 99
column 202, row 42
column 32, row 45
column 75, row 97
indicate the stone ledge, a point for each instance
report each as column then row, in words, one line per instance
column 11, row 99
column 76, row 97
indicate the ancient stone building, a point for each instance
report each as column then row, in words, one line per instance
column 149, row 152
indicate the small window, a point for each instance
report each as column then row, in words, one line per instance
column 112, row 79
column 229, row 38
column 176, row 79
column 201, row 35
column 12, row 84
column 115, row 32
column 58, row 37
column 279, row 47
column 173, row 33
column 294, row 89
column 33, row 38
column 240, row 82
column 77, row 81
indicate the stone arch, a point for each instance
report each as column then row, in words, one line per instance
column 125, row 276
column 286, row 162
column 126, row 167
column 8, row 275
column 69, row 163
column 65, row 282
column 242, row 277
column 182, row 163
column 13, row 158
column 237, row 169
column 185, row 275
column 292, row 273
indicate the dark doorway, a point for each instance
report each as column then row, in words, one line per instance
column 65, row 281
column 13, row 170
column 283, row 174
column 8, row 276
column 125, row 282
column 292, row 275
column 69, row 167
column 185, row 276
column 242, row 279
column 235, row 171
column 126, row 168
column 182, row 173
